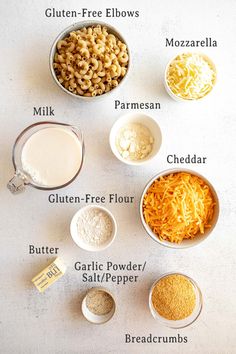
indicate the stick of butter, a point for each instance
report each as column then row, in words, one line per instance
column 49, row 275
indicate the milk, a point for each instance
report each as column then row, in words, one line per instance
column 52, row 156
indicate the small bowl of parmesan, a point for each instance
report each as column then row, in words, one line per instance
column 93, row 228
column 190, row 76
column 135, row 138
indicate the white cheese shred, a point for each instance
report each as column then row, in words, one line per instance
column 191, row 76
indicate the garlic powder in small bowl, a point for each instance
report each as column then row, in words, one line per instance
column 98, row 305
column 93, row 228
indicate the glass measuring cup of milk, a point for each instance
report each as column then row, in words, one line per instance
column 46, row 156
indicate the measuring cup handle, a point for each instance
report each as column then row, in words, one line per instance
column 17, row 183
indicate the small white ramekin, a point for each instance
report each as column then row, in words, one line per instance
column 75, row 27
column 178, row 98
column 97, row 319
column 143, row 119
column 186, row 321
column 188, row 242
column 77, row 239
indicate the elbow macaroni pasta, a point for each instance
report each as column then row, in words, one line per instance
column 90, row 61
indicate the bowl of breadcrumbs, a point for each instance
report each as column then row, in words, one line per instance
column 175, row 300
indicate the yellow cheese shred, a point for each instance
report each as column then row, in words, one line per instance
column 191, row 76
column 178, row 206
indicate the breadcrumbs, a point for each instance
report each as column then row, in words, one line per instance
column 173, row 297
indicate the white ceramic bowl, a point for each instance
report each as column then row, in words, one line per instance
column 97, row 319
column 188, row 242
column 140, row 118
column 186, row 321
column 180, row 99
column 78, row 240
column 75, row 27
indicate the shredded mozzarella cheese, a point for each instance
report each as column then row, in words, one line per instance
column 190, row 76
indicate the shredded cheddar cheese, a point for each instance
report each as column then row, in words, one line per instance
column 178, row 206
column 190, row 76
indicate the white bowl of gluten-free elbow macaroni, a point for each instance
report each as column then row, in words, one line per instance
column 71, row 81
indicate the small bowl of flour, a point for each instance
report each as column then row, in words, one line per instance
column 93, row 228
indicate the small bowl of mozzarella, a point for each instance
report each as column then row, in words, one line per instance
column 190, row 76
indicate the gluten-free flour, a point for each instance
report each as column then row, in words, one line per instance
column 94, row 226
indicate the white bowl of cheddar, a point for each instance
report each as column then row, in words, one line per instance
column 190, row 76
column 179, row 208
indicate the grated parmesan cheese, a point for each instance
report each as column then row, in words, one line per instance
column 134, row 142
column 191, row 76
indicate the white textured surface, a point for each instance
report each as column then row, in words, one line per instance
column 52, row 322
